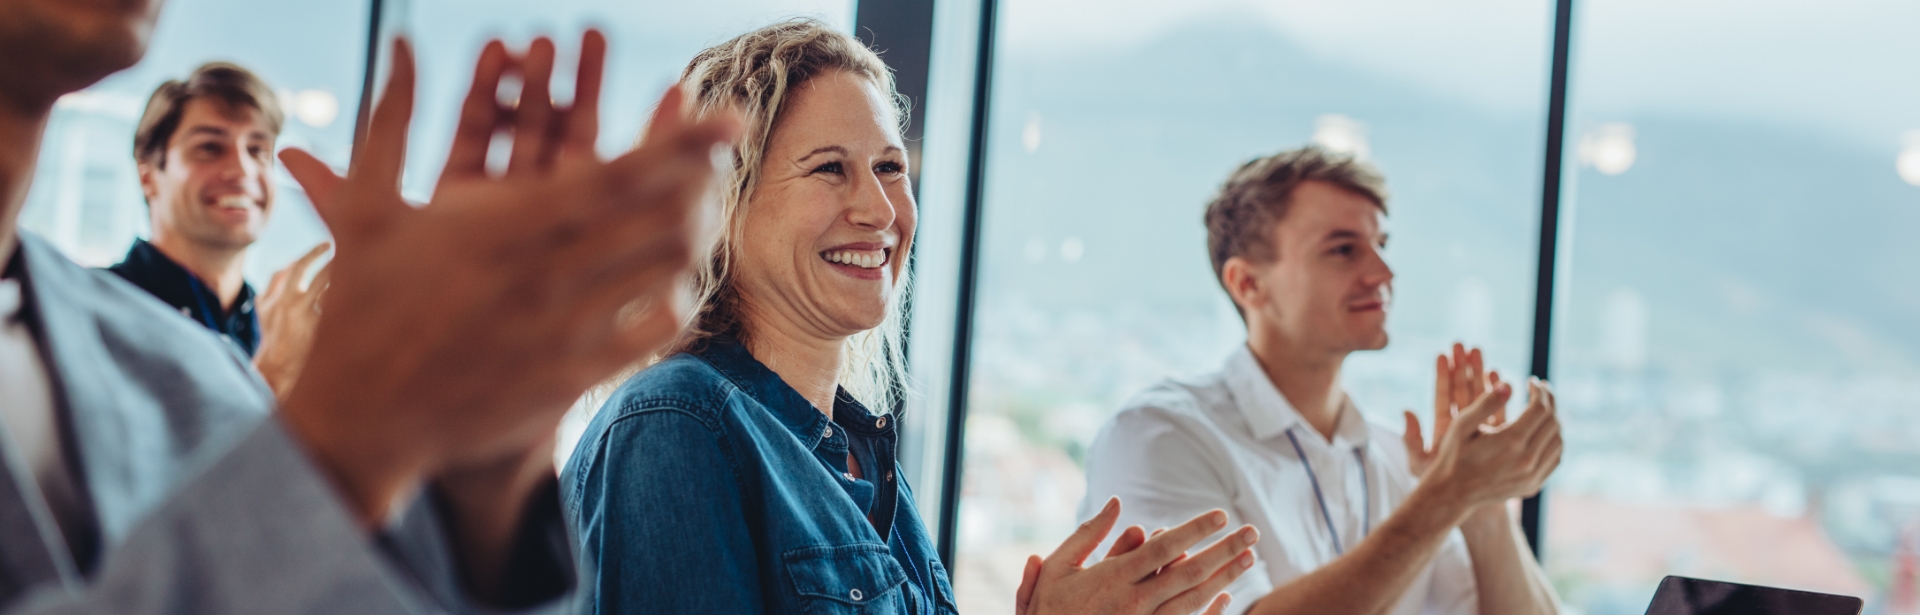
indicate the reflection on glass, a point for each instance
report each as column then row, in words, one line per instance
column 1738, row 363
column 1106, row 140
column 86, row 195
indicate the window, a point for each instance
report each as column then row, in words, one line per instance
column 648, row 46
column 1735, row 346
column 86, row 195
column 1106, row 139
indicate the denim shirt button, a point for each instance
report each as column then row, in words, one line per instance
column 881, row 423
column 849, row 475
column 828, row 433
column 889, row 476
column 855, row 595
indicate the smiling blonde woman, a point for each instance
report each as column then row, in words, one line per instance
column 746, row 473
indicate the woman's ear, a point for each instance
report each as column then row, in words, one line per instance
column 1242, row 281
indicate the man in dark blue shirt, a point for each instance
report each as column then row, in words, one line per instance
column 150, row 269
column 205, row 148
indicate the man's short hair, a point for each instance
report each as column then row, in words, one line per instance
column 235, row 87
column 1241, row 218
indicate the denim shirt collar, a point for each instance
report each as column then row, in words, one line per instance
column 807, row 423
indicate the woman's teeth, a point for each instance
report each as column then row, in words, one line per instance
column 864, row 259
column 234, row 202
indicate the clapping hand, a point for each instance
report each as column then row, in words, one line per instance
column 457, row 333
column 1141, row 575
column 289, row 310
column 1457, row 381
column 1481, row 464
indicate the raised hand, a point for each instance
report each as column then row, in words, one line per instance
column 1482, row 465
column 1141, row 574
column 289, row 310
column 1457, row 382
column 456, row 334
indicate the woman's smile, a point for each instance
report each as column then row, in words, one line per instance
column 866, row 261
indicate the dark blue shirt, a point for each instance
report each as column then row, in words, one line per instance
column 153, row 272
column 707, row 485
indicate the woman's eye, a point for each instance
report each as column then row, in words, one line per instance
column 889, row 168
column 831, row 167
column 1343, row 250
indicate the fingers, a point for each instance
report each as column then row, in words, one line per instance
column 319, row 284
column 1536, row 417
column 667, row 115
column 1442, row 388
column 1416, row 445
column 1074, row 550
column 583, row 117
column 1543, row 415
column 1480, row 410
column 534, row 115
column 1208, row 589
column 1499, row 415
column 318, row 181
column 1029, row 578
column 1219, row 605
column 1165, row 548
column 302, row 264
column 479, row 115
column 1128, row 540
column 383, row 155
column 1198, row 568
column 691, row 141
column 1476, row 374
column 1462, row 382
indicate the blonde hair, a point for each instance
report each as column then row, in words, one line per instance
column 754, row 74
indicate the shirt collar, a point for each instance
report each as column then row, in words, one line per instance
column 732, row 359
column 1269, row 414
column 150, row 269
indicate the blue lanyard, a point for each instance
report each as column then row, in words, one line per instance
column 200, row 293
column 1366, row 489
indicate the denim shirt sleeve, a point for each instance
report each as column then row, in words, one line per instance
column 667, row 533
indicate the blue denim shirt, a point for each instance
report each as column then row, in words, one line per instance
column 707, row 485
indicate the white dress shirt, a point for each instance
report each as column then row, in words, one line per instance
column 1222, row 440
column 29, row 417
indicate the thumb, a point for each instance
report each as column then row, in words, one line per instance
column 318, row 180
column 1416, row 445
column 1029, row 578
column 1470, row 419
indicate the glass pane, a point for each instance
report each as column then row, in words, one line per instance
column 648, row 45
column 86, row 193
column 1738, row 363
column 1107, row 138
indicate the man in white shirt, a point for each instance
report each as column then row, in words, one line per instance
column 1353, row 517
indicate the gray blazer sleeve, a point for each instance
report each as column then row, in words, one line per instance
column 259, row 530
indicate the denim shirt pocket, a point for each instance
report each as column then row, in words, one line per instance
column 859, row 578
column 942, row 587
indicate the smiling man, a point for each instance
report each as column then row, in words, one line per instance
column 205, row 148
column 1353, row 518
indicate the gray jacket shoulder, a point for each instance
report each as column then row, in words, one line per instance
column 145, row 389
